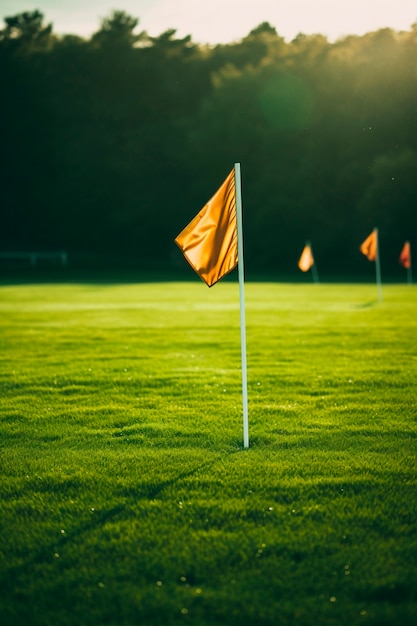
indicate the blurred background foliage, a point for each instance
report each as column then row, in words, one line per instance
column 111, row 145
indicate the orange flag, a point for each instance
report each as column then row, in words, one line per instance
column 209, row 242
column 405, row 256
column 306, row 259
column 369, row 246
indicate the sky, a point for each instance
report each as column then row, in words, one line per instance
column 225, row 21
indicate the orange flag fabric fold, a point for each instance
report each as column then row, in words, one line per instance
column 405, row 256
column 306, row 260
column 369, row 246
column 209, row 241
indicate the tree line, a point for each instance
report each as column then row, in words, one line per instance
column 111, row 144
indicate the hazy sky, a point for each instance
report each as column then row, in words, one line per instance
column 224, row 21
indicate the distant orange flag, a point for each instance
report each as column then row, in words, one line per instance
column 306, row 259
column 370, row 245
column 209, row 242
column 405, row 256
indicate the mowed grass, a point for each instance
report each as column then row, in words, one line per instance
column 126, row 497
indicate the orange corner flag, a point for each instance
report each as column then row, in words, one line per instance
column 405, row 256
column 369, row 246
column 306, row 259
column 209, row 242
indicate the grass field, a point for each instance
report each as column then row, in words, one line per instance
column 126, row 497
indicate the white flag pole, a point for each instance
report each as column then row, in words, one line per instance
column 242, row 304
column 409, row 270
column 315, row 273
column 378, row 267
column 314, row 270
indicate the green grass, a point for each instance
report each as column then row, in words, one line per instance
column 126, row 497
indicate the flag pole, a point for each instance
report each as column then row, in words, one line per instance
column 314, row 269
column 409, row 270
column 378, row 267
column 241, row 274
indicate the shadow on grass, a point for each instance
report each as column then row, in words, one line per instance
column 367, row 305
column 121, row 511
